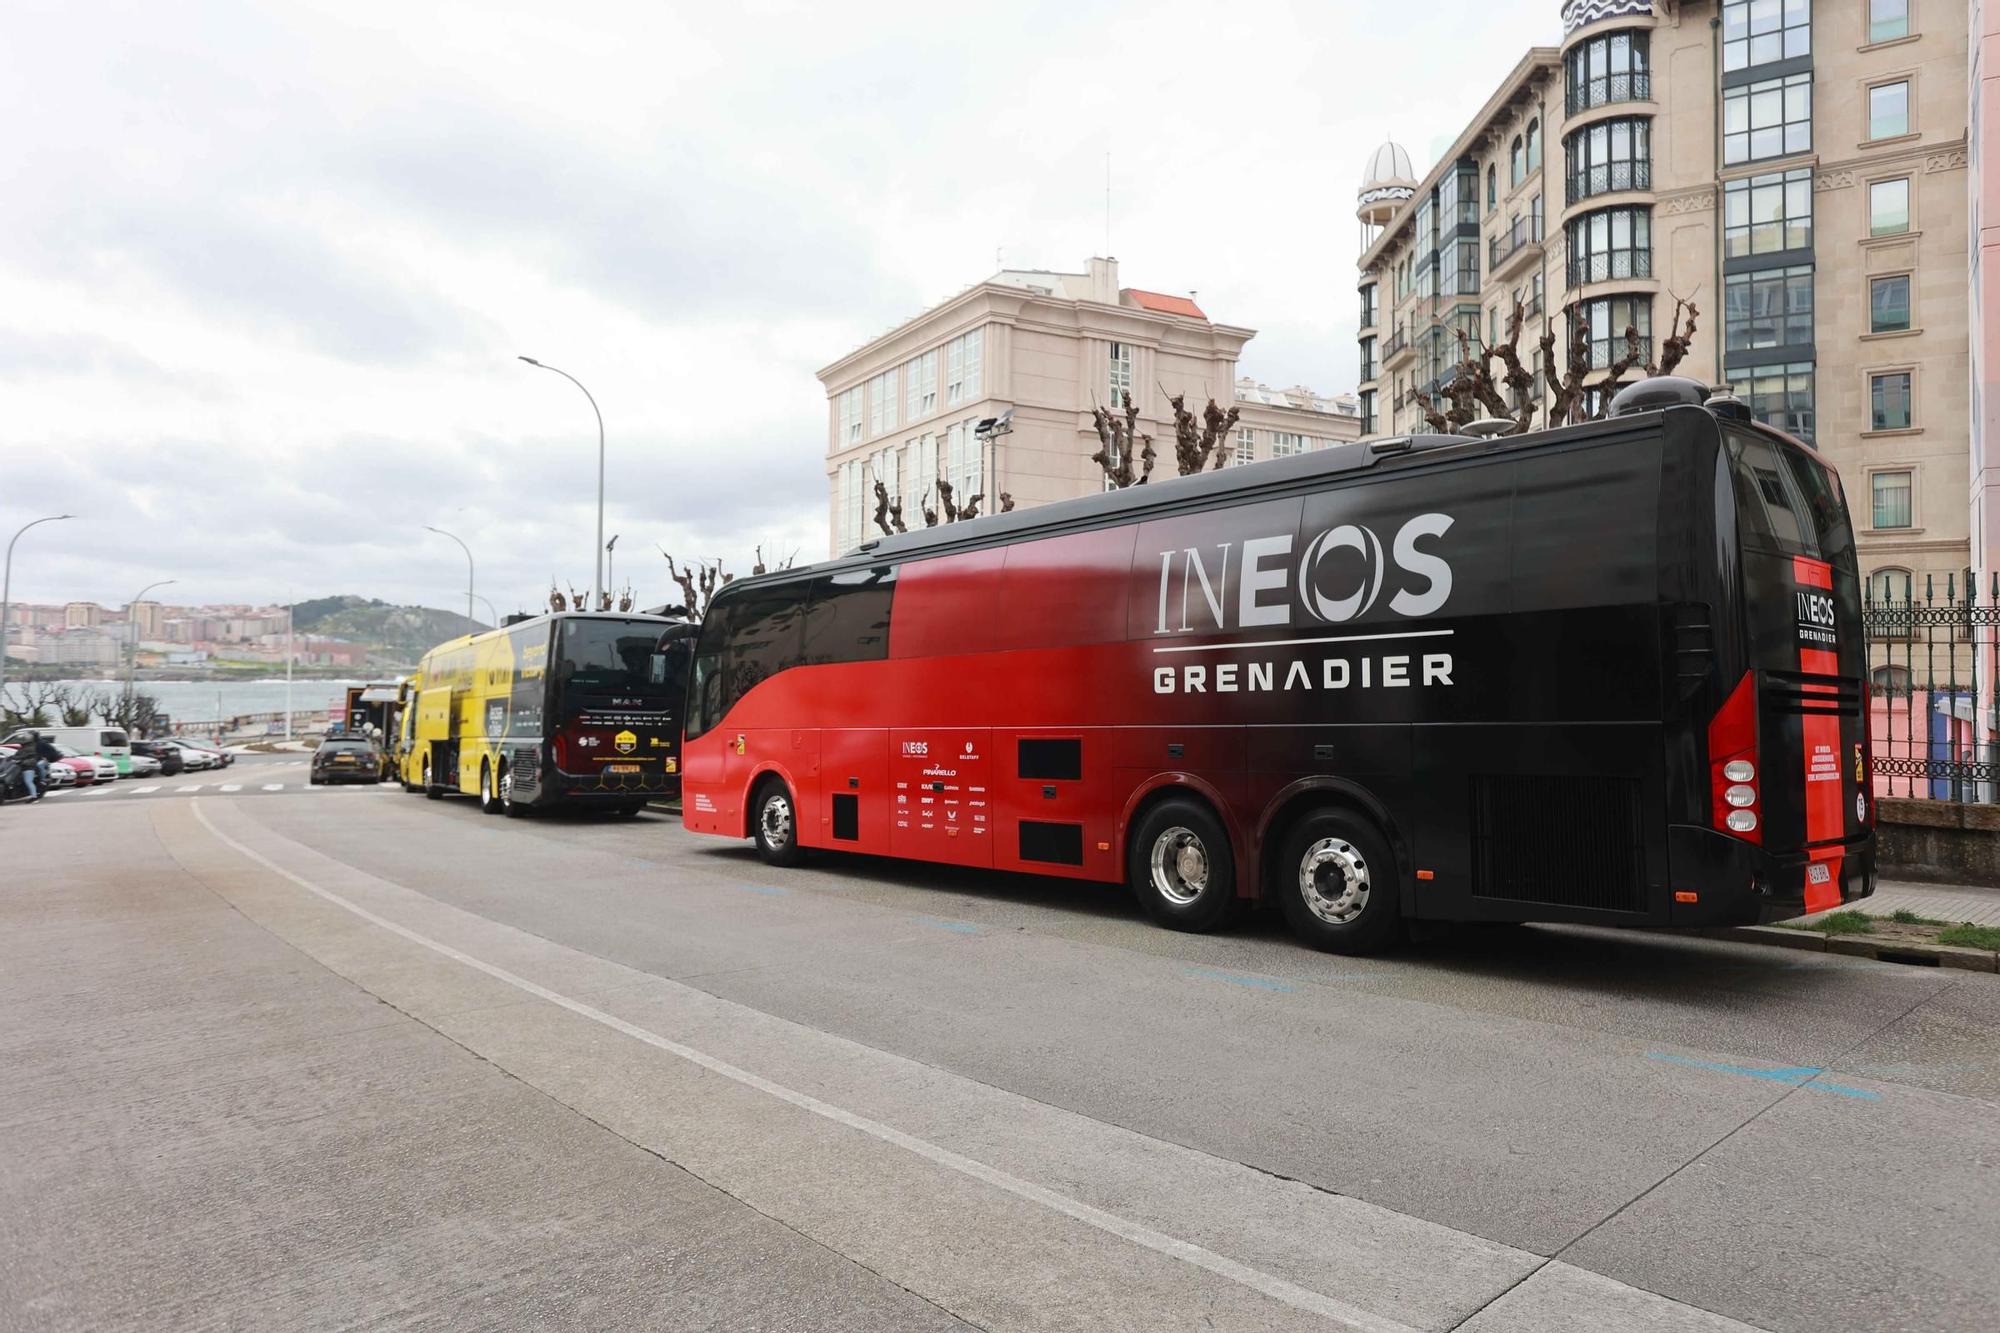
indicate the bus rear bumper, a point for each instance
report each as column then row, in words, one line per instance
column 1736, row 883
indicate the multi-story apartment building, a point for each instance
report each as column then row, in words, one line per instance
column 1275, row 423
column 994, row 392
column 152, row 618
column 1796, row 167
column 82, row 615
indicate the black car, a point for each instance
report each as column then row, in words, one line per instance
column 346, row 759
column 168, row 755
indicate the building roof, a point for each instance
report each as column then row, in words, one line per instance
column 1388, row 163
column 1163, row 304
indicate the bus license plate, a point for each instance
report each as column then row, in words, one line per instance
column 621, row 768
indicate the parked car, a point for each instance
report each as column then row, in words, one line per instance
column 194, row 758
column 345, row 759
column 144, row 766
column 105, row 742
column 166, row 753
column 219, row 757
column 101, row 768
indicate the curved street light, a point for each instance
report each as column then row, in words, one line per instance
column 490, row 611
column 7, row 595
column 468, row 564
column 132, row 649
column 597, row 569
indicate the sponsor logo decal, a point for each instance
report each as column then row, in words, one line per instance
column 625, row 742
column 1861, row 807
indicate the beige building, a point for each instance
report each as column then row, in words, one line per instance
column 82, row 615
column 994, row 390
column 152, row 619
column 1796, row 167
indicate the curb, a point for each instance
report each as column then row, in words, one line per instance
column 1883, row 948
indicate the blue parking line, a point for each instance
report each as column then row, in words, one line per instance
column 1238, row 979
column 768, row 890
column 1802, row 1076
column 959, row 927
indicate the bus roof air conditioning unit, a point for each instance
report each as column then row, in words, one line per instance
column 1657, row 392
column 1487, row 428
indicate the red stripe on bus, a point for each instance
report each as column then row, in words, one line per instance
column 1824, row 790
column 1812, row 573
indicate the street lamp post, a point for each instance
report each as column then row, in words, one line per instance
column 487, row 603
column 7, row 595
column 468, row 565
column 132, row 647
column 597, row 571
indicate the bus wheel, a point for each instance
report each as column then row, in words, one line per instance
column 775, row 824
column 1180, row 865
column 514, row 809
column 489, row 799
column 1337, row 883
column 431, row 790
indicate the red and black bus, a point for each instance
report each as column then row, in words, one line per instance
column 1610, row 673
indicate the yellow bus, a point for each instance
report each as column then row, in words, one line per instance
column 574, row 708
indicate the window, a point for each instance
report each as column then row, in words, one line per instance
column 1889, row 206
column 1516, row 161
column 1246, row 442
column 1534, row 145
column 1757, row 32
column 883, row 467
column 1368, row 306
column 1889, row 304
column 848, row 505
column 1121, row 373
column 847, row 619
column 965, row 462
column 850, row 418
column 1285, row 443
column 1367, row 360
column 1891, row 499
column 1458, row 269
column 1890, row 586
column 1768, row 119
column 1611, row 243
column 1492, row 188
column 920, row 466
column 1889, row 401
column 1765, row 215
column 1607, row 69
column 1610, row 155
column 1771, row 307
column 1888, row 20
column 882, row 403
column 1605, row 323
column 961, row 367
column 1367, row 413
column 1889, row 109
column 920, row 385
column 1781, row 396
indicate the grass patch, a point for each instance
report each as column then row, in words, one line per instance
column 1971, row 937
column 1849, row 922
column 1903, row 916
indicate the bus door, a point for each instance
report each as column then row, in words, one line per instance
column 1795, row 725
column 940, row 789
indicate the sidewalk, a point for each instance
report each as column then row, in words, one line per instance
column 1943, row 902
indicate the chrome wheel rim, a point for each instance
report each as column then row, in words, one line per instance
column 506, row 788
column 776, row 820
column 486, row 786
column 1333, row 880
column 1180, row 866
column 427, row 772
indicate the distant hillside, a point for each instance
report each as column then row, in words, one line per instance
column 404, row 633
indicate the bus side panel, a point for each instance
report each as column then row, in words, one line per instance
column 1207, row 759
column 854, row 793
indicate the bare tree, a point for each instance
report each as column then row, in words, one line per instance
column 1195, row 444
column 699, row 581
column 1118, row 454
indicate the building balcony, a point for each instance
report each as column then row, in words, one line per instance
column 1397, row 351
column 1609, row 178
column 1514, row 250
column 1589, row 94
column 1609, row 265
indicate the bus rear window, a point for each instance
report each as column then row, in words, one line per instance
column 617, row 657
column 1785, row 501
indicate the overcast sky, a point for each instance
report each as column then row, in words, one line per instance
column 264, row 268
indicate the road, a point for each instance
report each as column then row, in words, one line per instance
column 316, row 1059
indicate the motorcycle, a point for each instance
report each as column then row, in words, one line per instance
column 13, row 787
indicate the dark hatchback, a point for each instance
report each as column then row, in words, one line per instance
column 169, row 756
column 346, row 759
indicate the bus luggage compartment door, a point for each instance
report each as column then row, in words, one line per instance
column 940, row 796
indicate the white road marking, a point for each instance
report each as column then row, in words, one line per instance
column 197, row 787
column 274, row 786
column 141, row 791
column 230, row 786
column 1277, row 1288
column 99, row 789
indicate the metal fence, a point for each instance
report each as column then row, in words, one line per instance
column 1933, row 657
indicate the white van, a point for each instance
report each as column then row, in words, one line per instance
column 104, row 742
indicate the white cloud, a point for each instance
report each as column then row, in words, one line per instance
column 264, row 270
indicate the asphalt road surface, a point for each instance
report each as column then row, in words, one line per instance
column 305, row 1059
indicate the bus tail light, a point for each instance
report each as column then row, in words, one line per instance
column 1732, row 763
column 561, row 748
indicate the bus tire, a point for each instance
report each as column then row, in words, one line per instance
column 1336, row 880
column 432, row 791
column 512, row 808
column 1180, row 864
column 774, row 823
column 489, row 799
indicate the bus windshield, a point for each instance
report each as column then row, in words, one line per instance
column 1785, row 501
column 618, row 657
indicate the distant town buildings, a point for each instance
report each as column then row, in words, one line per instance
column 1798, row 169
column 84, row 634
column 994, row 390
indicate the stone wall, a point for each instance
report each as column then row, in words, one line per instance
column 1938, row 840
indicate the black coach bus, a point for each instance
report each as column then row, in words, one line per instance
column 1608, row 673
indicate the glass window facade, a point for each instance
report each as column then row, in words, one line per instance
column 1888, row 20
column 1610, row 155
column 1758, row 32
column 1765, row 215
column 1890, row 496
column 1611, row 243
column 1889, row 304
column 1889, row 401
column 1605, row 322
column 1780, row 396
column 1608, row 68
column 1889, row 110
column 1367, row 359
column 1768, row 119
column 1770, row 307
column 1368, row 306
column 1889, row 207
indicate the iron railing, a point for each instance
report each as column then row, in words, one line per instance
column 1609, row 178
column 1585, row 94
column 1933, row 658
